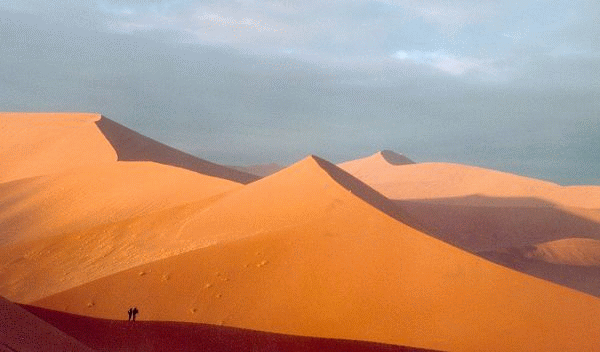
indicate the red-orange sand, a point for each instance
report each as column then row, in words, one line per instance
column 119, row 335
column 309, row 250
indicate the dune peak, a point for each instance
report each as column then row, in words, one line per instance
column 394, row 158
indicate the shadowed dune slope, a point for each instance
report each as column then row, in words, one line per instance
column 132, row 146
column 34, row 144
column 572, row 262
column 485, row 223
column 112, row 335
column 24, row 332
column 309, row 251
column 89, row 196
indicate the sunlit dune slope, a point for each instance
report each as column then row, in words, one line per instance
column 112, row 335
column 312, row 251
column 430, row 181
column 33, row 144
column 85, row 197
column 24, row 332
column 33, row 269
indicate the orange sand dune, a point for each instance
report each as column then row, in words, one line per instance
column 312, row 251
column 570, row 251
column 111, row 335
column 445, row 180
column 85, row 197
column 30, row 270
column 36, row 144
column 45, row 143
column 22, row 331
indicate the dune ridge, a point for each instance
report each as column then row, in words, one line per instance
column 306, row 253
column 43, row 143
column 132, row 146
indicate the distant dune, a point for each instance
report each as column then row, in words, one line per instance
column 36, row 144
column 572, row 262
column 479, row 209
column 132, row 146
column 259, row 170
column 112, row 335
column 24, row 332
column 311, row 251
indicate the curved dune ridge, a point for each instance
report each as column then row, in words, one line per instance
column 312, row 251
column 24, row 332
column 483, row 210
column 430, row 181
column 36, row 144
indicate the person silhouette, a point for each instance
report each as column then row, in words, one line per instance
column 130, row 312
column 134, row 312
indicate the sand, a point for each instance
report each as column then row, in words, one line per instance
column 44, row 143
column 479, row 209
column 22, row 331
column 99, row 218
column 312, row 251
column 112, row 335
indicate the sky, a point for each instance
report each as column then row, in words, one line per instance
column 508, row 85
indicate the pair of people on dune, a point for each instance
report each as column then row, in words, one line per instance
column 133, row 311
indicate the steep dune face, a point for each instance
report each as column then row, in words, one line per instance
column 312, row 251
column 132, row 146
column 36, row 144
column 23, row 331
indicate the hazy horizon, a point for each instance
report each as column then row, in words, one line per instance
column 510, row 87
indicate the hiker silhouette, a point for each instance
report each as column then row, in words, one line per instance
column 130, row 312
column 134, row 312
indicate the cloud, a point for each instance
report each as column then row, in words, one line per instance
column 446, row 63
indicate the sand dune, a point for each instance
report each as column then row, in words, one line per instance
column 479, row 209
column 312, row 251
column 36, row 144
column 572, row 262
column 89, row 196
column 132, row 146
column 446, row 181
column 111, row 335
column 22, row 331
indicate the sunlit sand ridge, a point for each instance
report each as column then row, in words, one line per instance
column 309, row 251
